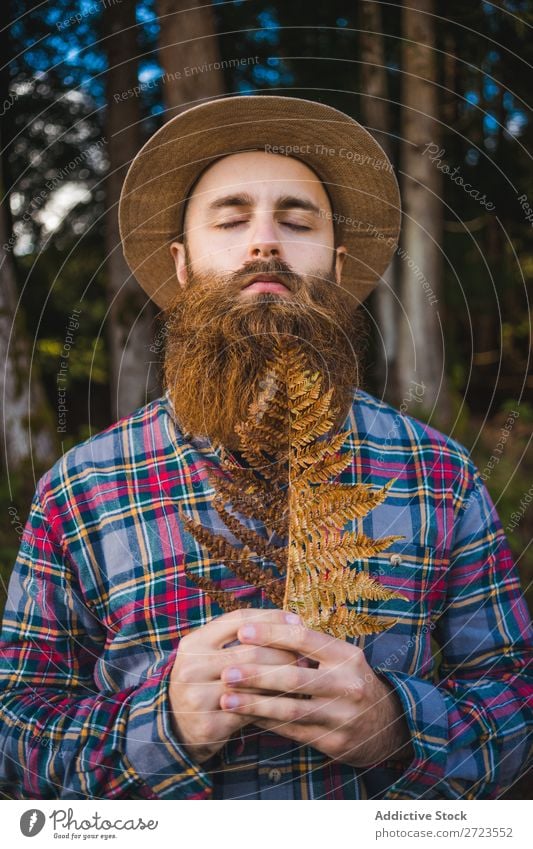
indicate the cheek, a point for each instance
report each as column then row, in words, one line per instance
column 216, row 253
column 307, row 258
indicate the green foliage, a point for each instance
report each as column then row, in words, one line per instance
column 506, row 465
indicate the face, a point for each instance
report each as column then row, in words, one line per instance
column 258, row 264
column 258, row 206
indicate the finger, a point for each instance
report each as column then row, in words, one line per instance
column 289, row 678
column 200, row 706
column 224, row 628
column 251, row 655
column 311, row 735
column 281, row 708
column 311, row 644
column 207, row 667
column 300, row 660
column 262, row 655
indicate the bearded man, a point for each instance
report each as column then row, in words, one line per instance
column 233, row 218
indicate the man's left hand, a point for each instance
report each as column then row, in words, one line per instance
column 350, row 714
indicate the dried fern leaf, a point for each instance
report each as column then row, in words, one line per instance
column 329, row 468
column 317, row 452
column 258, row 488
column 338, row 550
column 251, row 506
column 307, row 419
column 347, row 623
column 256, row 576
column 216, row 543
column 257, row 544
column 293, row 457
column 302, row 391
column 226, row 600
column 344, row 503
column 253, row 575
column 363, row 586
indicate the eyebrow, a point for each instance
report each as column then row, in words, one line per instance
column 284, row 202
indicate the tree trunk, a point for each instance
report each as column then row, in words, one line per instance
column 420, row 348
column 188, row 53
column 131, row 314
column 376, row 117
column 27, row 429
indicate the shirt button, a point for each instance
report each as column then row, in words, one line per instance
column 274, row 775
column 395, row 559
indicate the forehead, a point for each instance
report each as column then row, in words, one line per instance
column 264, row 176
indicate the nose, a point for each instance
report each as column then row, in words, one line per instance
column 264, row 241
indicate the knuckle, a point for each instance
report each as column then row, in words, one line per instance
column 232, row 656
column 186, row 673
column 295, row 679
column 244, row 654
column 292, row 710
column 209, row 728
column 196, row 700
column 337, row 743
column 355, row 690
column 298, row 636
column 357, row 653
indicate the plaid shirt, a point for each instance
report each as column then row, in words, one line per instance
column 98, row 601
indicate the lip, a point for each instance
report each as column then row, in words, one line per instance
column 265, row 283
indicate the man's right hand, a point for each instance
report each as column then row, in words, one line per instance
column 195, row 686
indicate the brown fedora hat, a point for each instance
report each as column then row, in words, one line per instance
column 354, row 169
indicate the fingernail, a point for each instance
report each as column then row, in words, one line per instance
column 232, row 675
column 292, row 618
column 231, row 701
column 248, row 631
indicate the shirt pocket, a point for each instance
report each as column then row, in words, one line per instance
column 416, row 571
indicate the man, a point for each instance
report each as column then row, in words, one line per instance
column 122, row 679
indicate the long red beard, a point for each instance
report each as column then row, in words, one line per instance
column 218, row 341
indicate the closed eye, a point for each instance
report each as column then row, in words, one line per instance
column 295, row 226
column 230, row 224
column 227, row 224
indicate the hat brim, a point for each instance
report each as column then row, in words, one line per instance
column 353, row 167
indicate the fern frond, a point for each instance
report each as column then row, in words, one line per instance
column 331, row 467
column 239, row 559
column 347, row 623
column 274, row 516
column 293, row 458
column 226, row 600
column 316, row 453
column 257, row 545
column 363, row 586
column 344, row 503
column 337, row 550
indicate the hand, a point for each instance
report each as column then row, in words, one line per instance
column 352, row 715
column 195, row 687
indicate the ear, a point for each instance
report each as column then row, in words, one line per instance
column 340, row 258
column 177, row 249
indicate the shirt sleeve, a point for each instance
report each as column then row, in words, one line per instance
column 472, row 730
column 61, row 737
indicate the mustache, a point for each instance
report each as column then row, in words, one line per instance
column 290, row 279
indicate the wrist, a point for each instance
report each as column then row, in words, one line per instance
column 397, row 744
column 197, row 752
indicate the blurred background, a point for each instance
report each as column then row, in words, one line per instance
column 443, row 86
